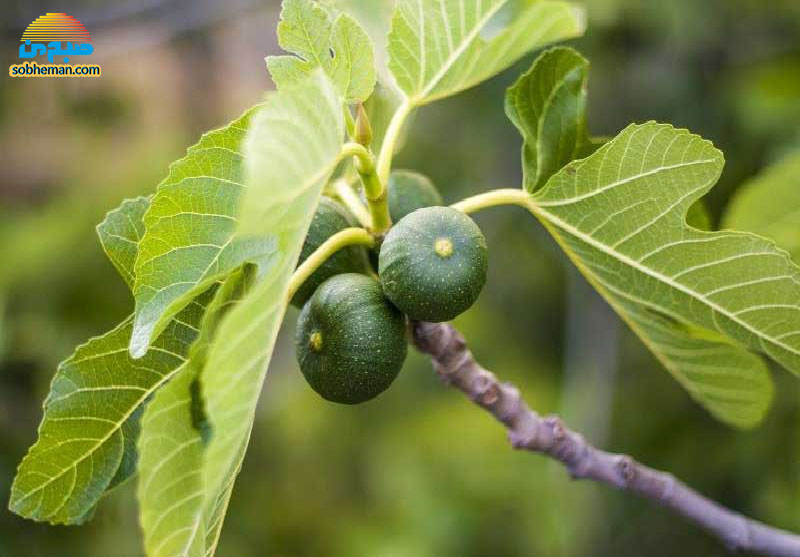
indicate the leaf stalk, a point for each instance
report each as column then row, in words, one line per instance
column 347, row 237
column 494, row 198
column 344, row 191
column 390, row 140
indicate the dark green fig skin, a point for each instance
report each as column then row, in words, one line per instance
column 423, row 284
column 409, row 191
column 329, row 219
column 350, row 341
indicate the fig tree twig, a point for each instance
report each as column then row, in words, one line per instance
column 455, row 364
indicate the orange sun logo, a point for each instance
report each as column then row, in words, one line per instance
column 56, row 27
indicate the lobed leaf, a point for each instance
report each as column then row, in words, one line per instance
column 769, row 205
column 548, row 106
column 292, row 148
column 730, row 382
column 87, row 438
column 702, row 301
column 375, row 18
column 189, row 242
column 320, row 39
column 438, row 48
column 86, row 426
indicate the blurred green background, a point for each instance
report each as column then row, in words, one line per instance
column 419, row 471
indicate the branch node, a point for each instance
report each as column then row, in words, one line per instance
column 512, row 411
column 441, row 372
column 626, row 468
column 484, row 389
column 518, row 440
column 462, row 361
column 557, row 429
column 458, row 342
column 491, row 396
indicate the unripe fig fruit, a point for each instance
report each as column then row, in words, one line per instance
column 433, row 264
column 350, row 341
column 409, row 191
column 329, row 219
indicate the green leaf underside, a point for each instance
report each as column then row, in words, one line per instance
column 293, row 147
column 375, row 18
column 438, row 48
column 120, row 233
column 189, row 240
column 130, row 455
column 216, row 503
column 81, row 438
column 171, row 487
column 698, row 299
column 769, row 205
column 337, row 44
column 87, row 439
column 548, row 106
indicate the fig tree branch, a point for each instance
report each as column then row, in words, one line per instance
column 456, row 365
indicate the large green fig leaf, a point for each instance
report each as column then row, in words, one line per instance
column 82, row 435
column 337, row 44
column 440, row 47
column 189, row 241
column 87, row 438
column 171, row 487
column 293, row 146
column 769, row 205
column 548, row 106
column 701, row 301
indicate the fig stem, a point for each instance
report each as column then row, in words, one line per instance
column 347, row 237
column 390, row 140
column 494, row 198
column 374, row 188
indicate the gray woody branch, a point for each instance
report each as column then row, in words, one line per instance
column 455, row 364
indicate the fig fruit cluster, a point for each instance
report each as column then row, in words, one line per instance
column 431, row 266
